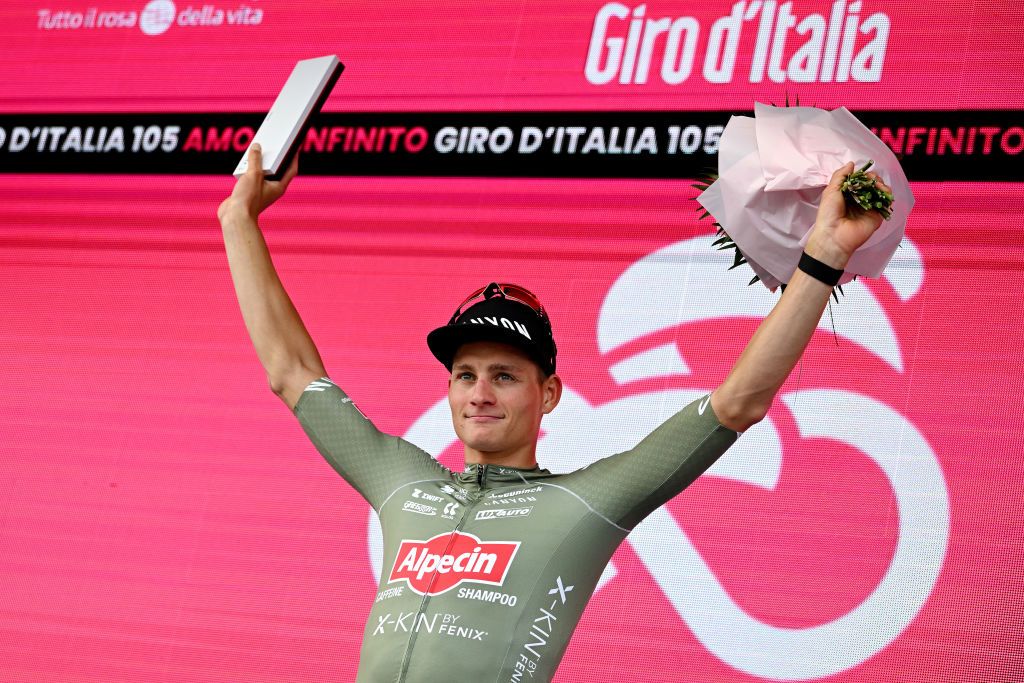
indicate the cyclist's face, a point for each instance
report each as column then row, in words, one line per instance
column 497, row 397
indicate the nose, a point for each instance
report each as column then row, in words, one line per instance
column 482, row 393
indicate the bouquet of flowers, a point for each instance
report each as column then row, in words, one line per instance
column 772, row 169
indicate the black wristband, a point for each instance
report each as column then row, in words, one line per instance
column 818, row 270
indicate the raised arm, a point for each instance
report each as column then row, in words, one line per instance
column 282, row 343
column 772, row 353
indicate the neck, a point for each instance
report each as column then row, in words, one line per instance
column 524, row 458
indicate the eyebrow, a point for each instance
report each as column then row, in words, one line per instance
column 493, row 367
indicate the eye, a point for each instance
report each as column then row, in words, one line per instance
column 464, row 376
column 505, row 377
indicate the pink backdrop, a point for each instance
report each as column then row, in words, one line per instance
column 163, row 517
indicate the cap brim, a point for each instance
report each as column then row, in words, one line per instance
column 444, row 342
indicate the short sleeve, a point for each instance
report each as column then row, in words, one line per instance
column 631, row 485
column 374, row 463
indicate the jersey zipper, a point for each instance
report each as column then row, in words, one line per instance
column 481, row 476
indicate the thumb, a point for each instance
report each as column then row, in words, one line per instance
column 255, row 169
column 840, row 175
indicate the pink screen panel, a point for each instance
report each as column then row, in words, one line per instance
column 165, row 519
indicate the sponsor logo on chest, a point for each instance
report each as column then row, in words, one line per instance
column 423, row 495
column 517, row 492
column 455, row 492
column 502, row 513
column 443, row 562
column 420, row 508
column 517, row 497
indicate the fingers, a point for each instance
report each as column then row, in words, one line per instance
column 840, row 175
column 255, row 162
column 879, row 182
column 293, row 170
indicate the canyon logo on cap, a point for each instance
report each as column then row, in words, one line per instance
column 509, row 314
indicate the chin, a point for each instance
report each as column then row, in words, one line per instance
column 484, row 445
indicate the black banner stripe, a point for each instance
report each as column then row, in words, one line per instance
column 972, row 145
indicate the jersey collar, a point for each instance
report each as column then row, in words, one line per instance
column 501, row 473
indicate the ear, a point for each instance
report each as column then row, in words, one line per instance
column 552, row 389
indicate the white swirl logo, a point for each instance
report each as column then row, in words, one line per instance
column 685, row 283
column 157, row 16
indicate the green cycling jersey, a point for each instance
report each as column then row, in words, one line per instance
column 486, row 572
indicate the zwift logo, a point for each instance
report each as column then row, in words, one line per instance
column 787, row 47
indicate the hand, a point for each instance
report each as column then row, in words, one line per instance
column 253, row 193
column 840, row 230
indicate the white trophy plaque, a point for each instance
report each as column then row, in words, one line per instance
column 303, row 94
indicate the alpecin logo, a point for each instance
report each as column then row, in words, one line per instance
column 441, row 563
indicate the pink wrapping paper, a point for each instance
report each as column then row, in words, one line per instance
column 772, row 170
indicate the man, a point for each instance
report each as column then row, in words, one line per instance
column 486, row 572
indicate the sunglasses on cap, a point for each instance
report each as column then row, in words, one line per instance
column 506, row 291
